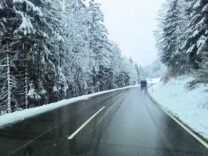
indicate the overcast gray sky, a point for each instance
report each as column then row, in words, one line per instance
column 131, row 24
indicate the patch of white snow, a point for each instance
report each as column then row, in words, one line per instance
column 189, row 105
column 24, row 114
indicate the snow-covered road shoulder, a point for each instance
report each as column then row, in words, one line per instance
column 190, row 105
column 24, row 114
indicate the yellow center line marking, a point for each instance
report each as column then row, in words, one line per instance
column 82, row 126
column 190, row 131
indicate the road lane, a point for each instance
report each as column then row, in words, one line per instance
column 145, row 130
column 51, row 128
column 130, row 124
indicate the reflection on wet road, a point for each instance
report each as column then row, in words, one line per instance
column 129, row 124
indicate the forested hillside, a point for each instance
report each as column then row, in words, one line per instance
column 56, row 49
column 183, row 37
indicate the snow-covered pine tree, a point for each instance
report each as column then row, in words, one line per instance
column 76, row 50
column 199, row 38
column 197, row 33
column 8, row 22
column 100, row 46
column 170, row 35
column 6, row 76
column 38, row 32
column 30, row 14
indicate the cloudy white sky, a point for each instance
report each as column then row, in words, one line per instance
column 131, row 24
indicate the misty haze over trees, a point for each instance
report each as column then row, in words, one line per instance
column 155, row 70
column 183, row 37
column 57, row 49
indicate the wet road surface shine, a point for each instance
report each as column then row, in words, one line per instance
column 121, row 123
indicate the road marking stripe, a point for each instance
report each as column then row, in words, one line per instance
column 81, row 127
column 204, row 143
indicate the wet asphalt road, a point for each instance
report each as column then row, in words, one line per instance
column 129, row 125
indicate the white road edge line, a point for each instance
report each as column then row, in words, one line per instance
column 187, row 129
column 83, row 125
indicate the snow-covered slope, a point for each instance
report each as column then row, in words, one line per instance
column 189, row 105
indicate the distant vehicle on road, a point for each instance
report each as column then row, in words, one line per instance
column 143, row 83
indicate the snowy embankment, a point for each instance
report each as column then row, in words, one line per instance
column 24, row 114
column 186, row 100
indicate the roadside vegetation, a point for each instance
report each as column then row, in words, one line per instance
column 57, row 49
column 182, row 38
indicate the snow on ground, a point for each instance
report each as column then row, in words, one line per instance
column 24, row 114
column 189, row 105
